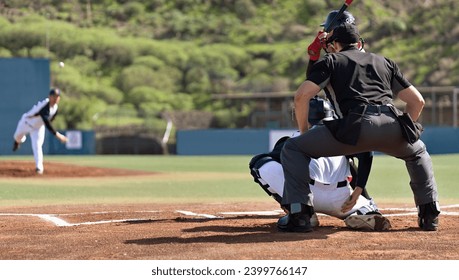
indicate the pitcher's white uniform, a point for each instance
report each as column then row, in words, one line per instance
column 34, row 122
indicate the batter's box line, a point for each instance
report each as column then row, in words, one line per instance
column 408, row 212
column 63, row 223
column 415, row 209
column 53, row 218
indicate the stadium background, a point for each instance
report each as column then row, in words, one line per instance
column 25, row 81
column 181, row 207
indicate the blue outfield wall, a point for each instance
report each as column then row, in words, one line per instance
column 439, row 140
column 222, row 141
column 79, row 143
column 23, row 82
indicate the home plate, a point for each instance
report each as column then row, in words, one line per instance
column 189, row 213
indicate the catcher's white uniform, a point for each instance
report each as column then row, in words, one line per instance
column 330, row 188
column 330, row 185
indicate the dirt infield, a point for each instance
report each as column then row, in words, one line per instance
column 23, row 169
column 219, row 231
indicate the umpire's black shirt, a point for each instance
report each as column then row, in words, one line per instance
column 354, row 78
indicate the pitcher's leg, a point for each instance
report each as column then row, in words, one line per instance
column 37, row 138
column 20, row 134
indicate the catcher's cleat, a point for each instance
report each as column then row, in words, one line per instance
column 373, row 222
column 314, row 220
column 428, row 216
column 15, row 146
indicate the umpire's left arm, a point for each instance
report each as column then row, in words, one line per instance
column 305, row 92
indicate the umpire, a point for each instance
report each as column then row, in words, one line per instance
column 362, row 87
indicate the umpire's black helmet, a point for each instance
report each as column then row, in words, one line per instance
column 320, row 110
column 345, row 17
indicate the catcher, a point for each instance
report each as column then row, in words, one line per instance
column 332, row 180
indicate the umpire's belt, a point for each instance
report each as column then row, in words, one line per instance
column 338, row 185
column 378, row 109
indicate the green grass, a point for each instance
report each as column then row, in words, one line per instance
column 389, row 181
column 197, row 179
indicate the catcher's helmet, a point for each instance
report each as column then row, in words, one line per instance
column 344, row 17
column 55, row 91
column 320, row 110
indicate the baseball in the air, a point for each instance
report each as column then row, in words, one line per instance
column 61, row 64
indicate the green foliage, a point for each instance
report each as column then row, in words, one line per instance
column 150, row 61
column 136, row 75
column 139, row 75
column 16, row 38
column 117, row 116
column 80, row 113
column 5, row 53
column 156, row 55
column 197, row 80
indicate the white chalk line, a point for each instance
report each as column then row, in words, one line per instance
column 189, row 213
column 255, row 213
column 63, row 223
column 106, row 212
column 53, row 218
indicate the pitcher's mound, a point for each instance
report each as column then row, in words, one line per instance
column 27, row 169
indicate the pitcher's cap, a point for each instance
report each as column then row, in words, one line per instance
column 55, row 91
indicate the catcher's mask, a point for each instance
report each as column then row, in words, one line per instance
column 320, row 110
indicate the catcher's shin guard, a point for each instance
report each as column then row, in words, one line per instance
column 254, row 165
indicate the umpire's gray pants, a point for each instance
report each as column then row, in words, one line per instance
column 379, row 132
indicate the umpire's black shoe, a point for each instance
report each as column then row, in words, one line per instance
column 428, row 216
column 15, row 146
column 298, row 220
